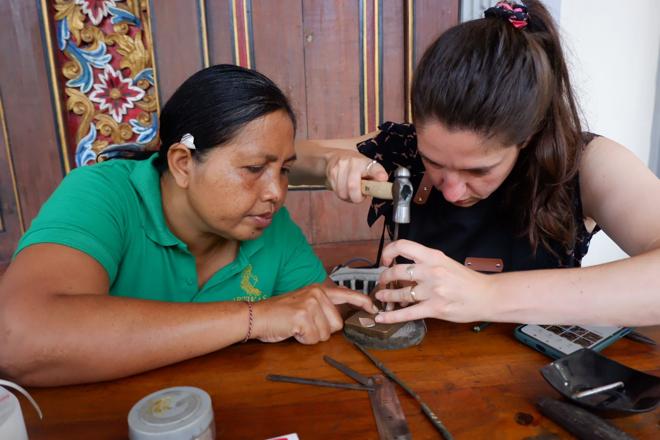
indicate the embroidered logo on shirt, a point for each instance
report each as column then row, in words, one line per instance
column 249, row 281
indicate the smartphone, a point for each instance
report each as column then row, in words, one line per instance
column 560, row 340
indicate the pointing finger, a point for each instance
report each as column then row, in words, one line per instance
column 345, row 296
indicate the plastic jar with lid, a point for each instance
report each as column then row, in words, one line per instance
column 178, row 413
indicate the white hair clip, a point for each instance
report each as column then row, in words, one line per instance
column 188, row 140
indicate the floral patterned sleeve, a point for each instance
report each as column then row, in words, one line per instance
column 394, row 146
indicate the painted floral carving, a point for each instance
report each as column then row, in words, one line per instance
column 96, row 10
column 115, row 93
column 106, row 67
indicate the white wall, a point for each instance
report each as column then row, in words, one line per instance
column 612, row 48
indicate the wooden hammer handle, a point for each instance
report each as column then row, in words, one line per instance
column 373, row 188
column 379, row 190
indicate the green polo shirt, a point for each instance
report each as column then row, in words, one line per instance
column 113, row 212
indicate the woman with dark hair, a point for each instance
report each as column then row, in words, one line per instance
column 502, row 170
column 131, row 265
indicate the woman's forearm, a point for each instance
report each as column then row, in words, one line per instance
column 84, row 338
column 313, row 156
column 624, row 293
column 311, row 161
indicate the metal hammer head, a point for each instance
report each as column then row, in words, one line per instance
column 403, row 192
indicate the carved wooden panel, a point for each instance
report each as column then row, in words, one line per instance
column 31, row 165
column 78, row 76
column 104, row 68
column 11, row 221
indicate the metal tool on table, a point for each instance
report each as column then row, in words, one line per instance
column 636, row 336
column 361, row 326
column 390, row 420
column 597, row 390
column 425, row 408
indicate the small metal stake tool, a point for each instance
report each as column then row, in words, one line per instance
column 397, row 335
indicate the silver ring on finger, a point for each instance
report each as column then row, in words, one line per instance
column 369, row 165
column 412, row 294
column 410, row 269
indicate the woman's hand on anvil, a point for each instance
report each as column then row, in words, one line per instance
column 444, row 288
column 345, row 170
column 308, row 314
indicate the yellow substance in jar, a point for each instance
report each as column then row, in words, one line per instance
column 161, row 405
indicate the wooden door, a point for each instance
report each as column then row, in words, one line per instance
column 80, row 76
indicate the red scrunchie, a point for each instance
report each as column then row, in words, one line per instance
column 516, row 14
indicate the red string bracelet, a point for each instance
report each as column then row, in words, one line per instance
column 250, row 320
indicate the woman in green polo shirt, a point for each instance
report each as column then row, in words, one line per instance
column 131, row 265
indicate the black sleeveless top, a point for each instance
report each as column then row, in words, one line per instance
column 483, row 230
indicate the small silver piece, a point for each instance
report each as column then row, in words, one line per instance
column 367, row 322
column 597, row 390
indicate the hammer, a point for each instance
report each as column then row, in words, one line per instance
column 378, row 335
column 400, row 192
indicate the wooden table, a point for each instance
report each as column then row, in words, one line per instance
column 475, row 382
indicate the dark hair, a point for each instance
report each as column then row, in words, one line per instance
column 214, row 104
column 512, row 85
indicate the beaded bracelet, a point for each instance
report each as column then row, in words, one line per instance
column 251, row 320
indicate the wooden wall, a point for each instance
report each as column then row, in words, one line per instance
column 345, row 64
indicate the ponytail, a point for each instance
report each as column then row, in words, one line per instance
column 505, row 77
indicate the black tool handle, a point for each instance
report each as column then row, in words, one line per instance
column 317, row 382
column 579, row 422
column 638, row 337
column 348, row 371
